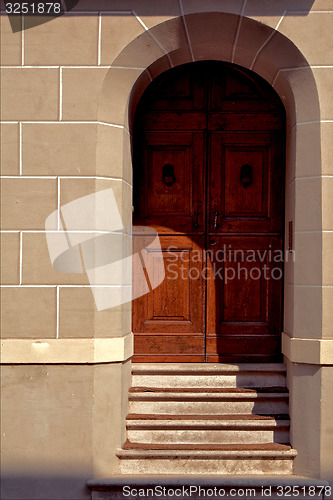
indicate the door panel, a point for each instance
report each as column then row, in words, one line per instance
column 174, row 178
column 176, row 306
column 256, row 207
column 236, row 90
column 171, row 121
column 246, row 349
column 169, row 349
column 186, row 92
column 244, row 121
column 244, row 284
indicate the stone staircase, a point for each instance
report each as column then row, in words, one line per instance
column 207, row 419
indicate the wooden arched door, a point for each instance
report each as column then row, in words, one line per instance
column 208, row 176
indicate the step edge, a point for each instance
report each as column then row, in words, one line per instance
column 227, row 481
column 207, row 454
column 209, row 390
column 193, row 368
column 222, row 397
column 221, row 416
column 207, row 427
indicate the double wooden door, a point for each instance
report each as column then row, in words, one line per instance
column 209, row 180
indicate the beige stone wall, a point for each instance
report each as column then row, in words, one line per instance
column 69, row 91
column 65, row 135
column 51, row 85
column 60, row 426
column 62, row 418
column 311, row 421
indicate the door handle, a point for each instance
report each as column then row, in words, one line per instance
column 196, row 219
column 216, row 224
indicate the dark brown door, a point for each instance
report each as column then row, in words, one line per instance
column 208, row 177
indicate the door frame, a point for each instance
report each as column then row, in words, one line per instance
column 284, row 66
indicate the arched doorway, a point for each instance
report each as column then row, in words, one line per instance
column 209, row 177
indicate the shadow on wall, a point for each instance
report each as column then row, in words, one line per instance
column 32, row 487
column 170, row 8
column 82, row 6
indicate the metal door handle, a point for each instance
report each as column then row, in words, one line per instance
column 216, row 224
column 196, row 222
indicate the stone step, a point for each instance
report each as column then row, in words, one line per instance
column 207, row 390
column 209, row 375
column 198, row 430
column 206, row 486
column 206, row 459
column 208, row 401
column 209, row 418
column 142, row 416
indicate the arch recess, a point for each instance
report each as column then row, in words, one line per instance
column 253, row 45
column 273, row 56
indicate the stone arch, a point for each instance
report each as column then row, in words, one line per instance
column 253, row 45
column 263, row 49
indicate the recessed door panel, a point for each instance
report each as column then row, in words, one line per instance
column 233, row 91
column 173, row 179
column 245, row 278
column 185, row 92
column 168, row 194
column 246, row 183
column 244, row 349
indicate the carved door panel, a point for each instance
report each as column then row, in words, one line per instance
column 169, row 321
